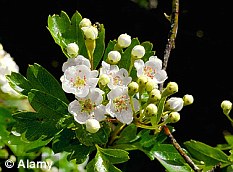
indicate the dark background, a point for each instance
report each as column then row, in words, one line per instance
column 201, row 62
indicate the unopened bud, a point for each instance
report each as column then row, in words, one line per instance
column 113, row 57
column 142, row 80
column 133, row 88
column 85, row 22
column 138, row 51
column 170, row 89
column 90, row 32
column 174, row 104
column 104, row 79
column 173, row 117
column 154, row 96
column 188, row 99
column 92, row 125
column 150, row 85
column 226, row 106
column 124, row 40
column 72, row 49
column 151, row 110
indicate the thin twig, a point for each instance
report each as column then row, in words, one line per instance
column 180, row 150
column 173, row 18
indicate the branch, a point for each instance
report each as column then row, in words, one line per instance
column 180, row 150
column 173, row 18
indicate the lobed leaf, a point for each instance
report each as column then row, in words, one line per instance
column 203, row 152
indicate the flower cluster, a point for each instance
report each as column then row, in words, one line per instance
column 7, row 65
column 110, row 92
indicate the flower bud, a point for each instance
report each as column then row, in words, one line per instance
column 133, row 88
column 173, row 117
column 151, row 110
column 154, row 96
column 138, row 51
column 85, row 22
column 104, row 79
column 188, row 99
column 90, row 32
column 72, row 49
column 124, row 40
column 150, row 85
column 142, row 80
column 174, row 104
column 92, row 125
column 113, row 57
column 170, row 89
column 226, row 106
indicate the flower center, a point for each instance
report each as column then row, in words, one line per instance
column 121, row 103
column 80, row 82
column 117, row 80
column 87, row 105
column 149, row 71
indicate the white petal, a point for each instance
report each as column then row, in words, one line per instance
column 96, row 95
column 109, row 108
column 161, row 76
column 82, row 117
column 139, row 64
column 156, row 61
column 100, row 113
column 125, row 117
column 114, row 93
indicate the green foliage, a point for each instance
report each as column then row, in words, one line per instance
column 50, row 128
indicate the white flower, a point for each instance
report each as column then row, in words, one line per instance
column 90, row 32
column 138, row 51
column 85, row 22
column 118, row 77
column 79, row 60
column 89, row 107
column 175, row 103
column 72, row 49
column 152, row 69
column 7, row 65
column 79, row 79
column 108, row 69
column 124, row 40
column 119, row 105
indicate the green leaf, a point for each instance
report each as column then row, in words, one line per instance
column 47, row 104
column 36, row 125
column 105, row 158
column 115, row 156
column 100, row 46
column 42, row 80
column 98, row 164
column 67, row 141
column 168, row 156
column 209, row 155
column 65, row 31
column 148, row 48
column 37, row 78
column 128, row 134
column 17, row 80
column 90, row 139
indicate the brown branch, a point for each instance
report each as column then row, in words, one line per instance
column 180, row 150
column 173, row 18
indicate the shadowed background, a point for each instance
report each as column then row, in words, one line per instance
column 200, row 63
